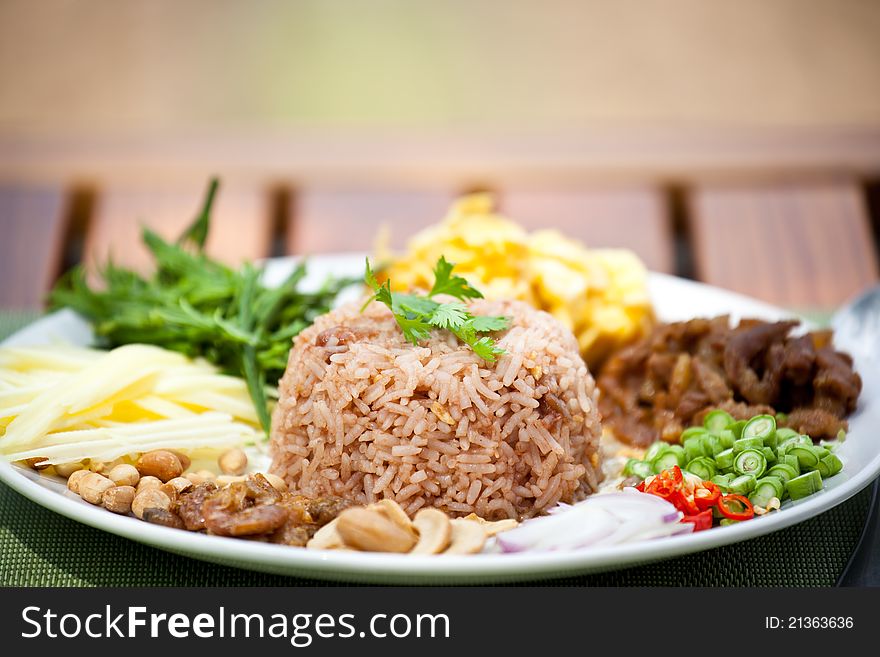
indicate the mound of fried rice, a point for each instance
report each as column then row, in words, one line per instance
column 365, row 415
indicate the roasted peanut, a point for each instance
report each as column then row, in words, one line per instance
column 92, row 487
column 185, row 461
column 152, row 498
column 118, row 499
column 74, row 479
column 164, row 517
column 200, row 477
column 232, row 461
column 373, row 531
column 179, row 484
column 37, row 463
column 124, row 475
column 67, row 469
column 148, row 482
column 161, row 464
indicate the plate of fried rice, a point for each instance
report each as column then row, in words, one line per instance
column 365, row 415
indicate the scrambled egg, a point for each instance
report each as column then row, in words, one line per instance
column 600, row 294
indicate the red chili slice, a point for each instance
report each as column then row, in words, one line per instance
column 707, row 495
column 728, row 507
column 701, row 520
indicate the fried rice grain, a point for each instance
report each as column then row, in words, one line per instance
column 364, row 415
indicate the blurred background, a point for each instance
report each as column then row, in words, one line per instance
column 735, row 143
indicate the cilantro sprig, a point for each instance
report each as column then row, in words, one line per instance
column 418, row 315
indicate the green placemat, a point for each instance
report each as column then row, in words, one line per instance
column 41, row 548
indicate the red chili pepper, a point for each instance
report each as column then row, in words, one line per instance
column 661, row 487
column 746, row 513
column 701, row 520
column 707, row 495
column 683, row 503
column 641, row 486
column 673, row 473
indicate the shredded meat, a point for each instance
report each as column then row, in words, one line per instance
column 254, row 509
column 669, row 380
column 189, row 505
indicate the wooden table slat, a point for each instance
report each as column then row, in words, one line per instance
column 633, row 218
column 334, row 220
column 241, row 226
column 33, row 222
column 802, row 245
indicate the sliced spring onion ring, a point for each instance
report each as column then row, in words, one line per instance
column 717, row 420
column 804, row 485
column 703, row 467
column 766, row 489
column 750, row 462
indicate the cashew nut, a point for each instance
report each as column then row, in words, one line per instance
column 327, row 538
column 373, row 531
column 492, row 527
column 467, row 537
column 434, row 529
column 395, row 513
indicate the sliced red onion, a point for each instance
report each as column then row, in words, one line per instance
column 600, row 520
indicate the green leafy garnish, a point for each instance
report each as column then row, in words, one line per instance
column 417, row 316
column 199, row 307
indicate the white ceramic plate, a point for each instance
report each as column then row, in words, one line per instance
column 674, row 299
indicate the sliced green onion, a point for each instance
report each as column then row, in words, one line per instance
column 766, row 488
column 666, row 460
column 743, row 485
column 640, row 469
column 805, row 485
column 693, row 448
column 692, row 432
column 781, row 418
column 727, row 522
column 820, row 452
column 750, row 462
column 794, row 441
column 702, row 466
column 722, row 481
column 761, row 426
column 792, row 461
column 770, row 455
column 783, row 471
column 655, row 450
column 829, row 465
column 724, row 460
column 712, row 444
column 806, row 456
column 727, row 438
column 628, row 468
column 747, row 443
column 717, row 420
column 737, row 428
column 783, row 433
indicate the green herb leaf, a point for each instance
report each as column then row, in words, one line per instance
column 417, row 315
column 197, row 233
column 487, row 323
column 455, row 286
column 200, row 307
column 449, row 315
